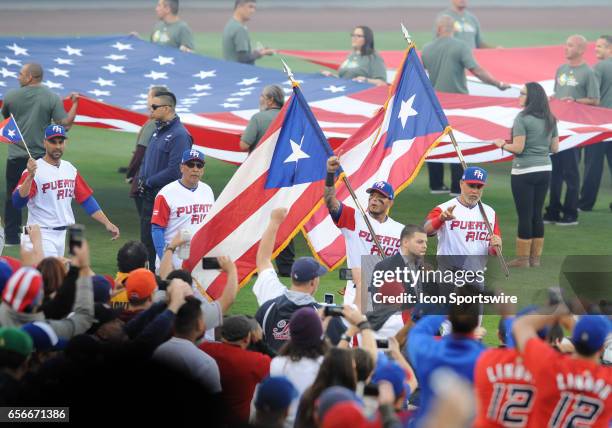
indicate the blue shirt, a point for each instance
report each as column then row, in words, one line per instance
column 162, row 159
column 428, row 353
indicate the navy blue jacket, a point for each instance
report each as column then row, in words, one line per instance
column 162, row 159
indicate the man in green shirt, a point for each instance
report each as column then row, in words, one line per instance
column 446, row 59
column 467, row 27
column 594, row 154
column 171, row 30
column 574, row 82
column 236, row 40
column 33, row 106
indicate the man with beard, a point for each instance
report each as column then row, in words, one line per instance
column 463, row 236
column 48, row 186
column 359, row 241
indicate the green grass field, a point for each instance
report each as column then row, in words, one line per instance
column 99, row 153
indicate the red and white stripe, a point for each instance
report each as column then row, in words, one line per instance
column 22, row 288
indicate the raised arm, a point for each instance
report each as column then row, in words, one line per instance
column 266, row 245
column 332, row 203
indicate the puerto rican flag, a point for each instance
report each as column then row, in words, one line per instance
column 391, row 146
column 9, row 131
column 287, row 169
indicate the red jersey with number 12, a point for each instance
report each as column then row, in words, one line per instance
column 572, row 392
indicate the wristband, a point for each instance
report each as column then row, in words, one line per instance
column 364, row 325
column 329, row 179
column 169, row 248
column 436, row 222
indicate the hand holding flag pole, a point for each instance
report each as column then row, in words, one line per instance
column 498, row 251
column 287, row 70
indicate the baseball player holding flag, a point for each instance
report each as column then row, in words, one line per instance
column 48, row 186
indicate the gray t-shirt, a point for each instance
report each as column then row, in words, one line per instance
column 146, row 132
column 235, row 39
column 603, row 74
column 258, row 125
column 34, row 107
column 370, row 66
column 186, row 357
column 576, row 82
column 467, row 27
column 174, row 34
column 537, row 142
column 446, row 60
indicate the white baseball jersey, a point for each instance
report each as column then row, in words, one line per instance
column 358, row 238
column 177, row 207
column 52, row 192
column 467, row 234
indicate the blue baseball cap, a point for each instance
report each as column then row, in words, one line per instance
column 54, row 131
column 395, row 375
column 383, row 188
column 475, row 174
column 44, row 337
column 305, row 269
column 590, row 333
column 275, row 393
column 334, row 395
column 5, row 273
column 192, row 154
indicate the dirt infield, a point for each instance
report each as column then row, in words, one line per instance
column 212, row 20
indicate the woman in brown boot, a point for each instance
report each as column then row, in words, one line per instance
column 534, row 136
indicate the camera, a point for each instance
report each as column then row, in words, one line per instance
column 382, row 343
column 329, row 299
column 346, row 274
column 209, row 263
column 76, row 233
column 332, row 311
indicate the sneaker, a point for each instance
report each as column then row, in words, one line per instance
column 568, row 221
column 439, row 191
column 551, row 219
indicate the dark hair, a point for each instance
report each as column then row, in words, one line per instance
column 131, row 256
column 276, row 93
column 464, row 317
column 607, row 38
column 53, row 273
column 409, row 230
column 187, row 317
column 364, row 364
column 180, row 274
column 296, row 353
column 35, row 70
column 167, row 97
column 336, row 370
column 368, row 40
column 241, row 2
column 173, row 5
column 11, row 359
column 536, row 105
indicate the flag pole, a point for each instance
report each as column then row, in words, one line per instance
column 22, row 139
column 500, row 256
column 289, row 73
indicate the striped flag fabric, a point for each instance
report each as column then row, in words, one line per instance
column 287, row 169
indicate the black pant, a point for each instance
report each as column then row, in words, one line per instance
column 138, row 202
column 12, row 215
column 564, row 169
column 529, row 192
column 436, row 176
column 148, row 200
column 593, row 169
column 284, row 260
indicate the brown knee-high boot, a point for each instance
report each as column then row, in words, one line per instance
column 523, row 249
column 537, row 245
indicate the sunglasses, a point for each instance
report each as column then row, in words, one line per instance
column 156, row 106
column 192, row 164
column 357, row 35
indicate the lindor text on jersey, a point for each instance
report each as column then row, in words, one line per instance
column 412, row 277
